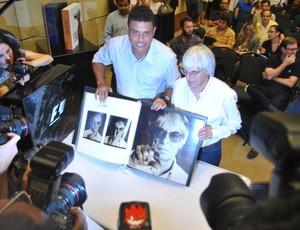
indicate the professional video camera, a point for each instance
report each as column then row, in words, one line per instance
column 21, row 69
column 51, row 191
column 229, row 204
column 12, row 123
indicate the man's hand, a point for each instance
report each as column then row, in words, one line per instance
column 144, row 156
column 8, row 151
column 289, row 59
column 80, row 219
column 158, row 104
column 102, row 92
column 117, row 138
column 205, row 133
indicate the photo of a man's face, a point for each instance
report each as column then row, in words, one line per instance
column 94, row 126
column 168, row 134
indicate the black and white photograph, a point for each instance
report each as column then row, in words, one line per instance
column 94, row 126
column 166, row 144
column 117, row 132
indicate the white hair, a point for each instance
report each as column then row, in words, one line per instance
column 200, row 56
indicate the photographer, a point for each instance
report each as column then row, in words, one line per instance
column 10, row 54
column 19, row 209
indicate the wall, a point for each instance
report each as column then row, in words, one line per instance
column 25, row 20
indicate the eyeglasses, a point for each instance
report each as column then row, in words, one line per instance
column 120, row 129
column 191, row 74
column 292, row 49
column 19, row 197
column 159, row 133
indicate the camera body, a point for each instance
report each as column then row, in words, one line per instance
column 51, row 191
column 20, row 69
column 277, row 137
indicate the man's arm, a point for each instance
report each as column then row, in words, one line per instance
column 271, row 73
column 102, row 88
column 289, row 82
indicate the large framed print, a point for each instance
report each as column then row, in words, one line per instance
column 162, row 143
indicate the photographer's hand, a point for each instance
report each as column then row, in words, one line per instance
column 8, row 151
column 80, row 219
column 24, row 79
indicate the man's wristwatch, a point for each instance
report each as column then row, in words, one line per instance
column 166, row 98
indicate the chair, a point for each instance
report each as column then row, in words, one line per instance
column 243, row 17
column 287, row 27
column 225, row 59
column 283, row 17
column 276, row 9
column 252, row 66
column 237, row 27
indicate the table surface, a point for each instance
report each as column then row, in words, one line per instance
column 172, row 206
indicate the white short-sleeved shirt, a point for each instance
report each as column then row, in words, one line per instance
column 144, row 78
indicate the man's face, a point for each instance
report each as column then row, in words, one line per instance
column 290, row 49
column 222, row 25
column 188, row 28
column 265, row 17
column 167, row 140
column 6, row 56
column 223, row 4
column 123, row 6
column 119, row 127
column 96, row 124
column 265, row 6
column 296, row 3
column 140, row 36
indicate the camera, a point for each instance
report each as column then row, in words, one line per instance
column 20, row 69
column 12, row 123
column 229, row 204
column 51, row 191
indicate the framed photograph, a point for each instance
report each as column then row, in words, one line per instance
column 161, row 143
column 166, row 143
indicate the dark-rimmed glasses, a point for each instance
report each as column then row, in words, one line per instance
column 159, row 133
column 292, row 49
column 19, row 197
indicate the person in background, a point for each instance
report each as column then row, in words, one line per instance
column 10, row 52
column 247, row 39
column 243, row 6
column 201, row 93
column 222, row 33
column 280, row 77
column 192, row 7
column 145, row 68
column 264, row 5
column 185, row 40
column 214, row 17
column 273, row 44
column 204, row 12
column 264, row 26
column 116, row 22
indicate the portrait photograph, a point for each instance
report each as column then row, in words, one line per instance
column 94, row 126
column 117, row 132
column 166, row 143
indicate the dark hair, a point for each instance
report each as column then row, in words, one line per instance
column 185, row 19
column 289, row 41
column 225, row 17
column 277, row 28
column 265, row 1
column 141, row 13
column 11, row 39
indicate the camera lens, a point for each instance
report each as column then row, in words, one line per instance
column 12, row 123
column 71, row 193
column 226, row 201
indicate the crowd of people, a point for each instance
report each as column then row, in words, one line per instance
column 179, row 75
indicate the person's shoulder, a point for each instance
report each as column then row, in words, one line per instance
column 180, row 83
column 161, row 48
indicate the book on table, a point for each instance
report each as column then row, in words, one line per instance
column 123, row 131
